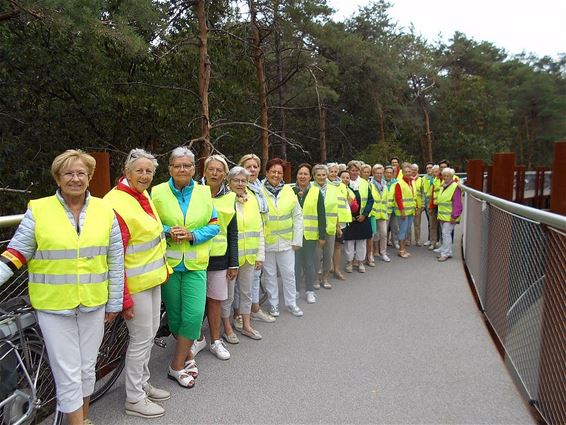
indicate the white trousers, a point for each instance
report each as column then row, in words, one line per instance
column 285, row 261
column 381, row 236
column 142, row 329
column 72, row 344
column 447, row 229
column 355, row 248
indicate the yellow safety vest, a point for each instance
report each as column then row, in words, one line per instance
column 427, row 187
column 408, row 199
column 380, row 202
column 280, row 218
column 194, row 257
column 418, row 189
column 392, row 205
column 225, row 207
column 310, row 214
column 68, row 269
column 344, row 213
column 364, row 191
column 145, row 256
column 436, row 189
column 250, row 226
column 331, row 208
column 445, row 203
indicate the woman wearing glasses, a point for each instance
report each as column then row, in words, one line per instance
column 189, row 222
column 146, row 269
column 70, row 230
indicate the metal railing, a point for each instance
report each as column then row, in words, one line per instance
column 516, row 257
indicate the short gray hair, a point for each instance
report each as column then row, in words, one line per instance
column 377, row 167
column 181, row 152
column 354, row 163
column 415, row 166
column 331, row 165
column 449, row 170
column 236, row 171
column 136, row 154
column 319, row 167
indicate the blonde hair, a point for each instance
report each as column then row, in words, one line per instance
column 66, row 158
column 218, row 158
column 249, row 156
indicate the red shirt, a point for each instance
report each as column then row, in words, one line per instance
column 399, row 192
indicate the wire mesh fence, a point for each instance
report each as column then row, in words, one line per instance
column 518, row 268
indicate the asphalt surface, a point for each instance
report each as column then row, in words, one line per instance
column 403, row 343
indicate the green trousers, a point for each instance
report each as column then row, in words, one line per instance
column 184, row 295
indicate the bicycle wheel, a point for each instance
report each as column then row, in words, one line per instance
column 40, row 374
column 111, row 357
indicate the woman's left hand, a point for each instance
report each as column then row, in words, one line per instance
column 232, row 274
column 109, row 317
column 322, row 242
column 258, row 265
column 361, row 218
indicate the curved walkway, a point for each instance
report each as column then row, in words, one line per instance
column 403, row 343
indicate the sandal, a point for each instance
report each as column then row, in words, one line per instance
column 339, row 275
column 191, row 368
column 183, row 378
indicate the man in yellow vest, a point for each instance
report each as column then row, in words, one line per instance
column 419, row 202
column 449, row 211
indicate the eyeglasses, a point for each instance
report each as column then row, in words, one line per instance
column 69, row 175
column 239, row 181
column 182, row 166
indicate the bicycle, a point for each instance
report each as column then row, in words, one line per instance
column 26, row 386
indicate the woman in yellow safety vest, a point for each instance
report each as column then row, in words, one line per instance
column 223, row 264
column 428, row 178
column 449, row 204
column 189, row 223
column 344, row 217
column 330, row 194
column 419, row 202
column 70, row 230
column 359, row 230
column 380, row 211
column 283, row 236
column 252, row 164
column 251, row 251
column 432, row 208
column 405, row 207
column 314, row 230
column 146, row 269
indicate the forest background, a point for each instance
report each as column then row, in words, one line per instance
column 272, row 77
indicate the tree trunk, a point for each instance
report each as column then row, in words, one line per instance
column 381, row 123
column 203, row 81
column 323, row 155
column 280, row 91
column 428, row 132
column 262, row 85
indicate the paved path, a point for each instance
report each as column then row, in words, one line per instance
column 403, row 343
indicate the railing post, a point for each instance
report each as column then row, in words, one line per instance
column 503, row 170
column 520, row 184
column 538, row 201
column 558, row 182
column 474, row 177
column 100, row 183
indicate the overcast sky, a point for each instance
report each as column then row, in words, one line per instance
column 516, row 25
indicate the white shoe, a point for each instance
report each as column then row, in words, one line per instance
column 436, row 250
column 427, row 243
column 219, row 350
column 144, row 409
column 295, row 310
column 274, row 311
column 397, row 246
column 156, row 394
column 386, row 258
column 311, row 299
column 262, row 316
column 361, row 268
column 198, row 346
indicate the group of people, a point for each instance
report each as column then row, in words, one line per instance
column 201, row 247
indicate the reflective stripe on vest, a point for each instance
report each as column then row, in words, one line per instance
column 445, row 203
column 68, row 269
column 363, row 189
column 344, row 213
column 408, row 199
column 310, row 216
column 199, row 212
column 280, row 218
column 146, row 245
column 226, row 210
column 250, row 226
column 331, row 208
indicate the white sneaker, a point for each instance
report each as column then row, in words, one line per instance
column 198, row 346
column 361, row 268
column 311, row 299
column 144, row 409
column 427, row 243
column 437, row 250
column 156, row 394
column 386, row 258
column 219, row 350
column 262, row 316
column 274, row 311
column 397, row 246
column 295, row 310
